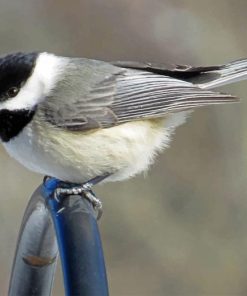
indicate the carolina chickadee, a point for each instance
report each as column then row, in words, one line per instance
column 75, row 118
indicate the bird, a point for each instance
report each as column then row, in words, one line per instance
column 76, row 119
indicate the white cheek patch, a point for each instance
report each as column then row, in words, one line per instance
column 30, row 94
column 44, row 77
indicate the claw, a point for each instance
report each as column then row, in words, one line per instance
column 77, row 191
column 66, row 189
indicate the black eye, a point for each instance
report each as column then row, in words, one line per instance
column 12, row 92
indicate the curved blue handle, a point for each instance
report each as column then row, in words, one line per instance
column 79, row 243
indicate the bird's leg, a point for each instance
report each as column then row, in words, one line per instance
column 66, row 188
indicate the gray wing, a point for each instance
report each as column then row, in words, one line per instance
column 115, row 95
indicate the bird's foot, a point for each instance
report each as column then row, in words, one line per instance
column 84, row 190
column 66, row 189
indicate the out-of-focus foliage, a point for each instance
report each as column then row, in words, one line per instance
column 180, row 230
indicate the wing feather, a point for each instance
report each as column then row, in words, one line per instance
column 128, row 95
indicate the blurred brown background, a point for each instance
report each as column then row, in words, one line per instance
column 181, row 230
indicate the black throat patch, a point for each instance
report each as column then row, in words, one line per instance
column 12, row 122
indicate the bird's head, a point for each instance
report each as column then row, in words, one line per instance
column 25, row 80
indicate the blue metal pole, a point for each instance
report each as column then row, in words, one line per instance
column 79, row 243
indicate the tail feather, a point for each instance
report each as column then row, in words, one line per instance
column 204, row 77
column 226, row 74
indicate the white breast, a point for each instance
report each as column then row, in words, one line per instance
column 124, row 150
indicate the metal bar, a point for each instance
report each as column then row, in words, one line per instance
column 36, row 253
column 79, row 243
